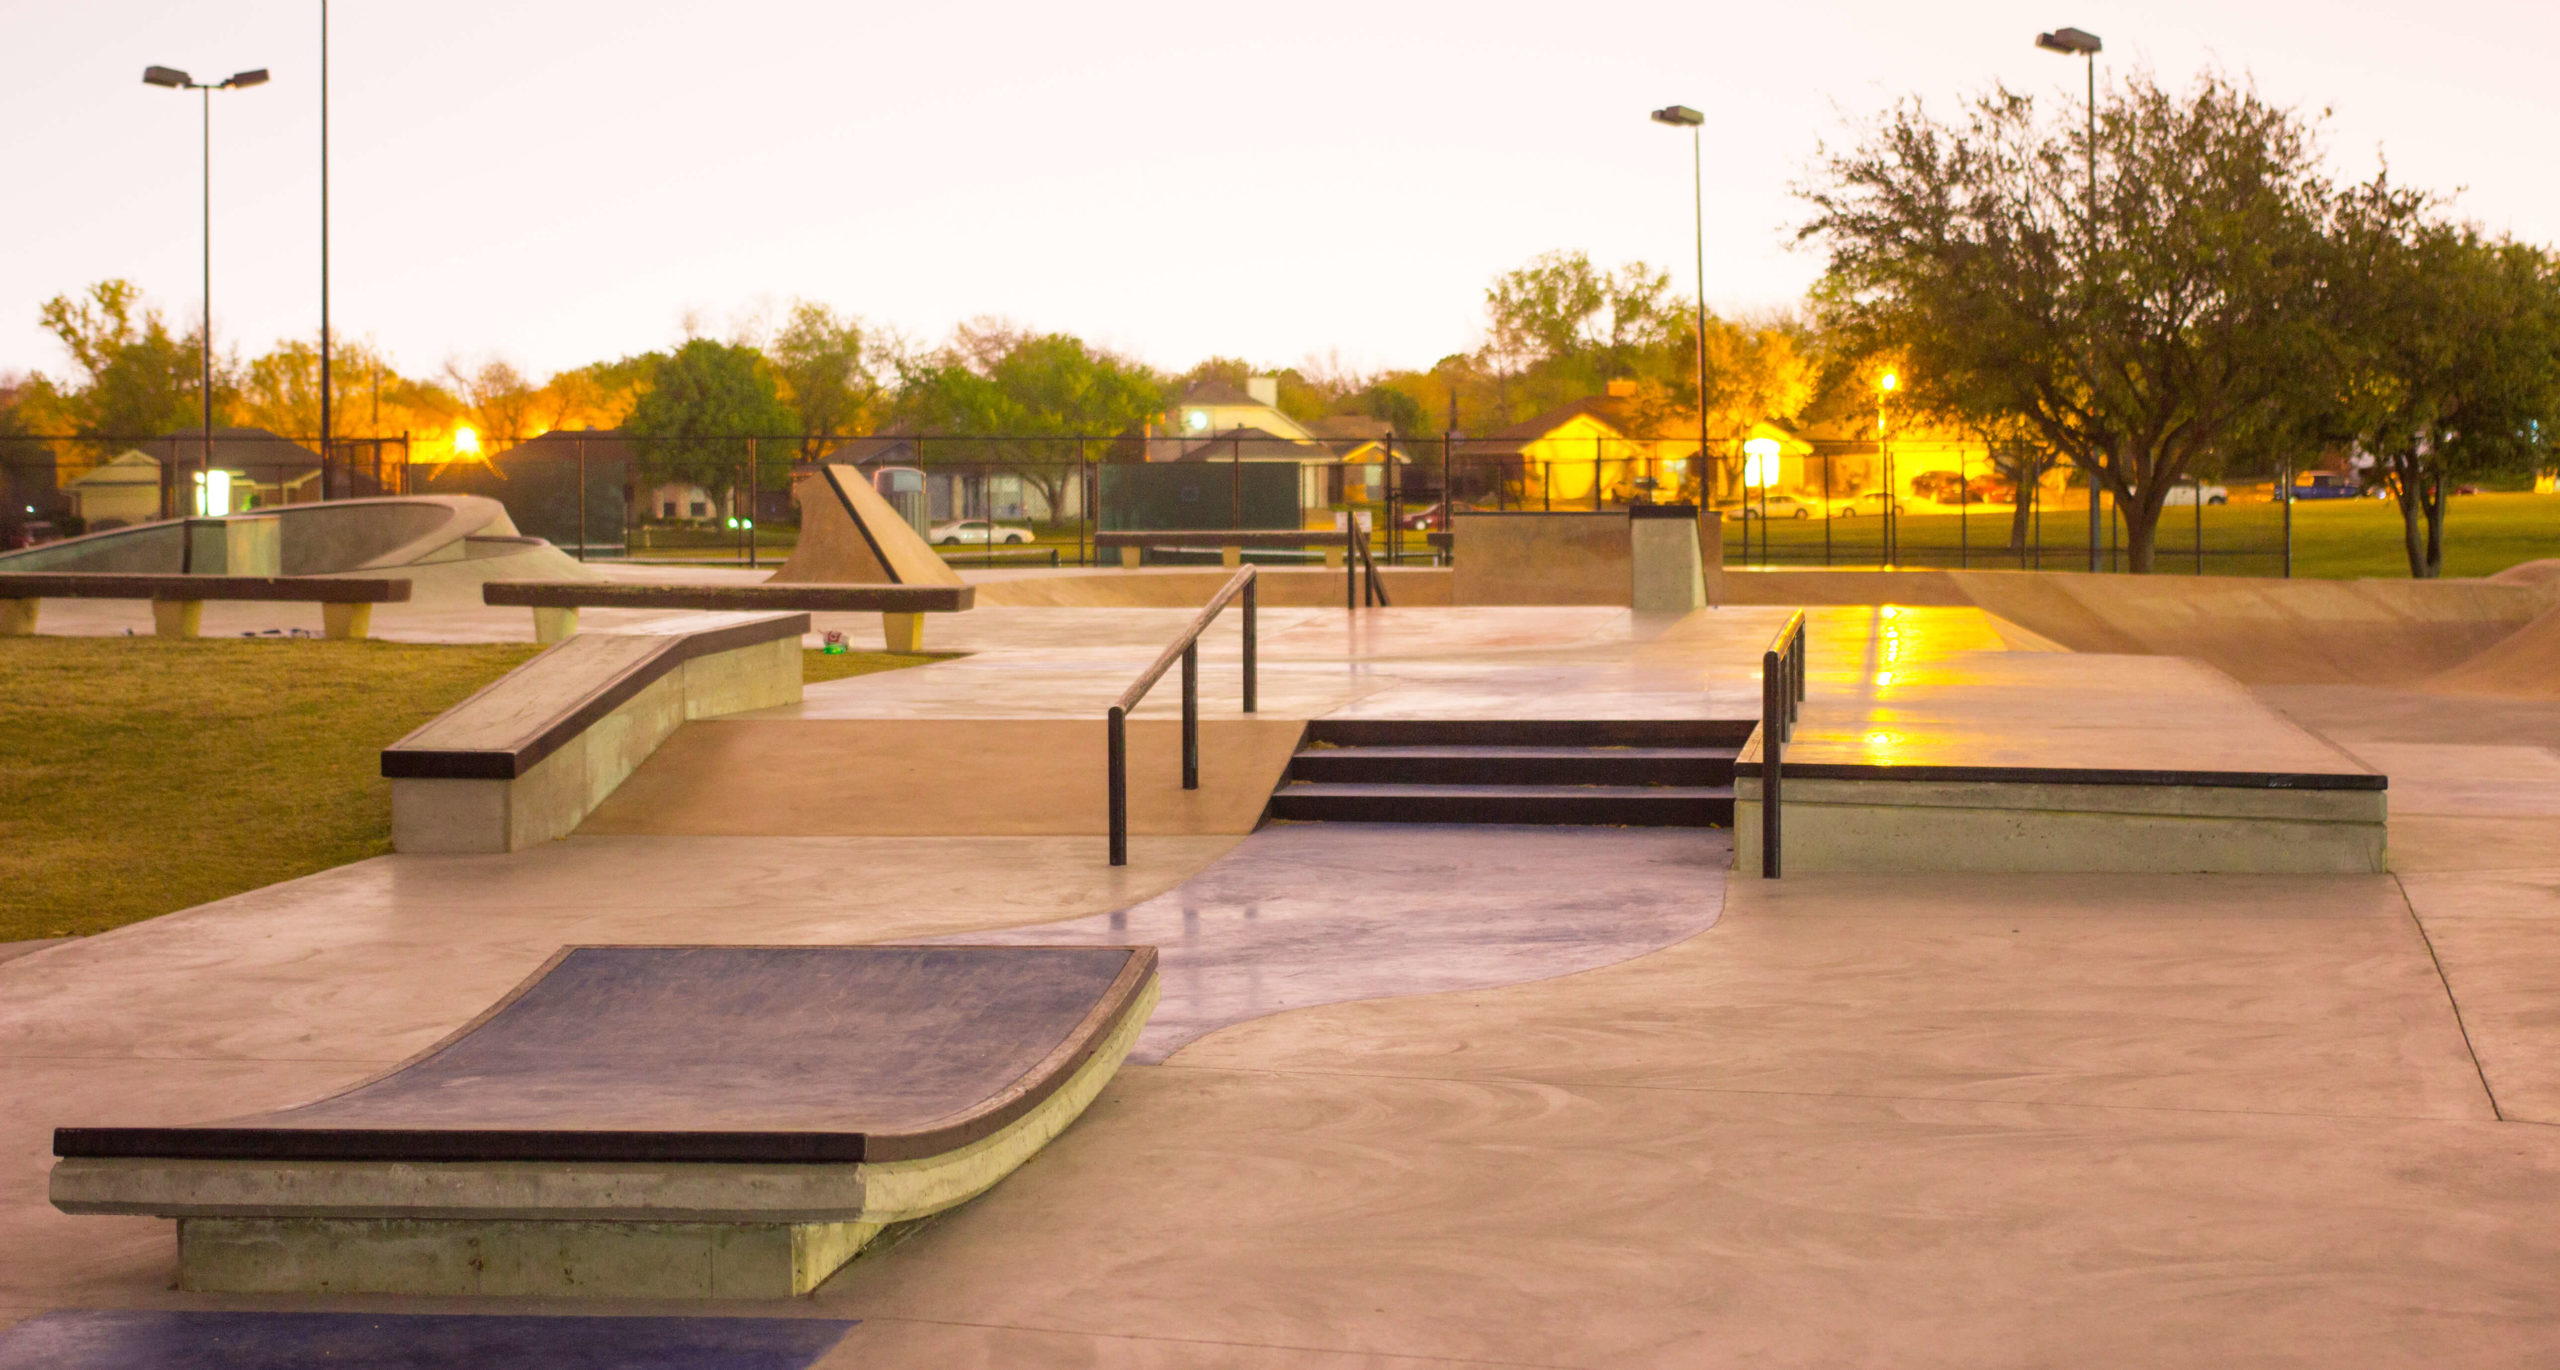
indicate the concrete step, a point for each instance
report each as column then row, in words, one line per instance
column 1689, row 806
column 1530, row 732
column 1490, row 765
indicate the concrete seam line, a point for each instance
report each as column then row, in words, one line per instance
column 2455, row 1004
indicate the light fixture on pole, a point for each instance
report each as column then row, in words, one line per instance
column 1886, row 384
column 1681, row 116
column 2085, row 45
column 173, row 79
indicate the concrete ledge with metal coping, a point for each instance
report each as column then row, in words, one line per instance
column 178, row 599
column 2022, row 819
column 683, row 1122
column 555, row 604
column 528, row 757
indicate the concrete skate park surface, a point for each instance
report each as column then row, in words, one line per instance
column 1918, row 1119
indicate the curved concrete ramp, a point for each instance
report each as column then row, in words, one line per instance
column 445, row 545
column 646, row 1122
column 850, row 536
column 2524, row 665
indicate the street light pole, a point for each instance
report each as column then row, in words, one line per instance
column 328, row 430
column 1681, row 116
column 2085, row 45
column 173, row 79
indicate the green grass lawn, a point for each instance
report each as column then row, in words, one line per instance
column 144, row 776
column 2332, row 539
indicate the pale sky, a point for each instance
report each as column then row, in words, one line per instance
column 554, row 183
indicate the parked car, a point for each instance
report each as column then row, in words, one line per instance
column 977, row 533
column 1776, row 507
column 1872, row 502
column 1427, row 518
column 1946, row 487
column 2185, row 492
column 2327, row 485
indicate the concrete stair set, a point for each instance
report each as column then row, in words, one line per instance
column 1614, row 772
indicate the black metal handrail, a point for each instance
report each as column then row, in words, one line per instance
column 1185, row 649
column 1781, row 697
column 1361, row 582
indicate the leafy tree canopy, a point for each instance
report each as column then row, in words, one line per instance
column 704, row 399
column 2179, row 319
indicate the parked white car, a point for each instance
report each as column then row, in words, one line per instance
column 2185, row 493
column 977, row 533
column 1776, row 507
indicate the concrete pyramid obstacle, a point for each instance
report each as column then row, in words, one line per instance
column 849, row 535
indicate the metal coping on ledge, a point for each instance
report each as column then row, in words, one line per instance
column 403, row 760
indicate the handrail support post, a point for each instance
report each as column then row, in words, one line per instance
column 1191, row 715
column 1117, row 726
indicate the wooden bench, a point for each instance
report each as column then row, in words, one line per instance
column 902, row 608
column 177, row 601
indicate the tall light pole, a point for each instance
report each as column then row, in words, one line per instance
column 2085, row 45
column 174, row 79
column 326, row 429
column 1681, row 116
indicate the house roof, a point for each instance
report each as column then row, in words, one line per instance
column 1607, row 409
column 1254, row 444
column 878, row 449
column 234, row 449
column 1215, row 391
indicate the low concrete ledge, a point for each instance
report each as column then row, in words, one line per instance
column 178, row 600
column 902, row 608
column 527, row 758
column 2071, row 822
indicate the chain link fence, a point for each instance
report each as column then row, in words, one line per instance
column 992, row 500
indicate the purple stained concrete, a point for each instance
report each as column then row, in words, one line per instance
column 157, row 1340
column 1301, row 914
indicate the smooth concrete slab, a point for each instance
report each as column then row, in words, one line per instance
column 1301, row 914
column 791, row 777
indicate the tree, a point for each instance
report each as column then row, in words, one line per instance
column 2178, row 320
column 824, row 365
column 136, row 379
column 1561, row 328
column 703, row 400
column 499, row 402
column 1020, row 393
column 2446, row 353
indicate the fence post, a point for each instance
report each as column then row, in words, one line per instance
column 2285, row 474
column 1191, row 715
column 1249, row 690
column 1117, row 729
column 582, row 499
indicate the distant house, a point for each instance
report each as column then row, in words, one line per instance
column 538, row 482
column 1342, row 458
column 169, row 474
column 1594, row 447
column 966, row 480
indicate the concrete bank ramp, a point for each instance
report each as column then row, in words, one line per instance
column 2260, row 631
column 639, row 1122
column 2523, row 665
column 446, row 546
